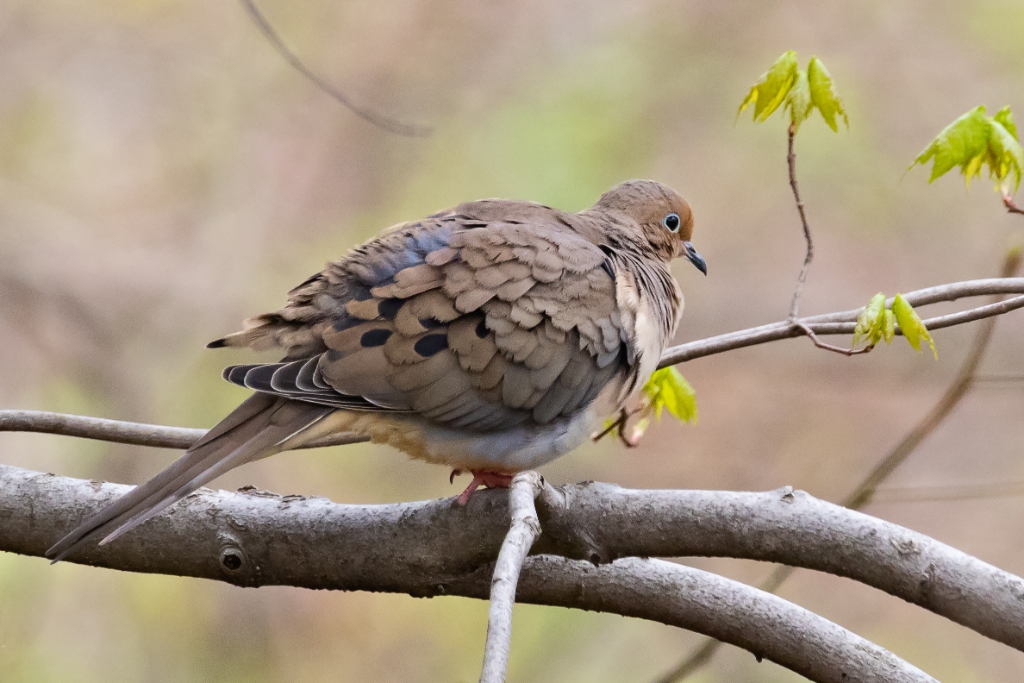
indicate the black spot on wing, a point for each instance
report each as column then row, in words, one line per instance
column 374, row 338
column 388, row 308
column 431, row 344
column 360, row 292
column 481, row 328
column 431, row 324
column 346, row 322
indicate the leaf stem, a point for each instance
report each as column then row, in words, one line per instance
column 1010, row 205
column 791, row 160
column 829, row 347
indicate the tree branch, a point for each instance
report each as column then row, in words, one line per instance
column 802, row 279
column 868, row 487
column 435, row 548
column 981, row 617
column 522, row 534
column 254, row 538
column 119, row 431
column 377, row 119
column 830, row 347
column 928, row 494
column 843, row 322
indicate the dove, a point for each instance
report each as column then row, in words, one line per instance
column 490, row 338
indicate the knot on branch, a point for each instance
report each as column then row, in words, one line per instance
column 232, row 559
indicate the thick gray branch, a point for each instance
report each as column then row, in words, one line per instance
column 522, row 534
column 764, row 624
column 435, row 548
column 424, row 548
column 843, row 322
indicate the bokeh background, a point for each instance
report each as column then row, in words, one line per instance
column 164, row 174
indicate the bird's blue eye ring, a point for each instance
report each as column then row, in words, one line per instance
column 671, row 222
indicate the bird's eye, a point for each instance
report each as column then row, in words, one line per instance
column 671, row 222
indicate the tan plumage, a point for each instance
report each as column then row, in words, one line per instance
column 490, row 337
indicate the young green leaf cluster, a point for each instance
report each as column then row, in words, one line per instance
column 668, row 390
column 665, row 390
column 975, row 140
column 877, row 323
column 798, row 91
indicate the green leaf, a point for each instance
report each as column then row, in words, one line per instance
column 1005, row 154
column 798, row 101
column 1004, row 117
column 772, row 88
column 823, row 94
column 889, row 327
column 911, row 325
column 667, row 389
column 957, row 144
column 973, row 142
column 871, row 323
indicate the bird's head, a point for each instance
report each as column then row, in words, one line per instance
column 664, row 217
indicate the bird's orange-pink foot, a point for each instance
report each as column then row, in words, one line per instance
column 492, row 480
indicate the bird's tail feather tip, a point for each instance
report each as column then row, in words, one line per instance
column 263, row 425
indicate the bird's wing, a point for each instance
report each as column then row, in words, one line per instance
column 480, row 318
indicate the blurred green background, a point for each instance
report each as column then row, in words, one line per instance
column 164, row 174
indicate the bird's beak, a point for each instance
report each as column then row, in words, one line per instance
column 696, row 259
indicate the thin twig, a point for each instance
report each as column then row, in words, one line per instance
column 618, row 427
column 522, row 534
column 998, row 379
column 829, row 347
column 962, row 383
column 380, row 120
column 865, row 491
column 925, row 494
column 791, row 160
column 1010, row 205
column 119, row 431
column 843, row 322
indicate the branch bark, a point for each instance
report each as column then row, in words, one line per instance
column 434, row 548
column 867, row 489
column 843, row 322
column 119, row 431
column 802, row 279
column 522, row 534
column 254, row 538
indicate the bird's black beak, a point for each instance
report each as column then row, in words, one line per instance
column 696, row 259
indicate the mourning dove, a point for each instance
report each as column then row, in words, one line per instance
column 491, row 337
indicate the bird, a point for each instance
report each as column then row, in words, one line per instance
column 489, row 338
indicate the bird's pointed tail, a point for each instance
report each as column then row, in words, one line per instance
column 259, row 427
